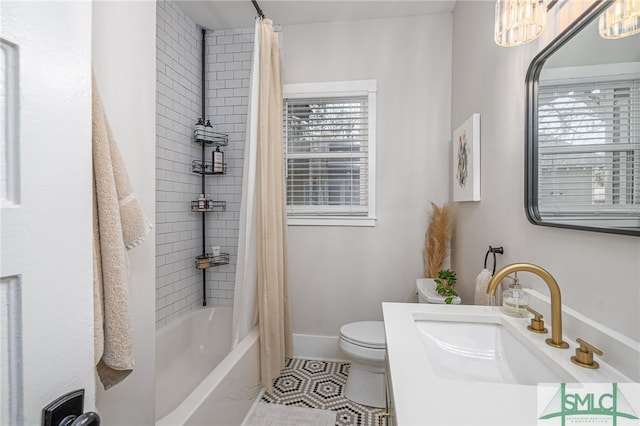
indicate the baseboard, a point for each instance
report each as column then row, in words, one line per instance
column 311, row 346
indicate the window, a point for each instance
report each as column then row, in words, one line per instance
column 589, row 150
column 329, row 138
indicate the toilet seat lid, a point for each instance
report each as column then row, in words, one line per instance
column 365, row 333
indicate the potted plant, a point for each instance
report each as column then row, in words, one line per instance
column 444, row 285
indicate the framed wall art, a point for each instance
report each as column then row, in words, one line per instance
column 466, row 160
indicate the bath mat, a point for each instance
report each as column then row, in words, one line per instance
column 265, row 414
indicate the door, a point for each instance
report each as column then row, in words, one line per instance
column 46, row 294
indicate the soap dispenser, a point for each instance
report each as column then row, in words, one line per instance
column 514, row 300
column 208, row 132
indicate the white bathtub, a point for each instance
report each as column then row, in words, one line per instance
column 199, row 381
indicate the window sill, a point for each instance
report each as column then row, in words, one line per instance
column 331, row 221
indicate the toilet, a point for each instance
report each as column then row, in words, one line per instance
column 364, row 343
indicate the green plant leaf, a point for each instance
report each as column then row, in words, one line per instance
column 448, row 275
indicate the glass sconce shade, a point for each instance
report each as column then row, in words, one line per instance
column 621, row 19
column 519, row 21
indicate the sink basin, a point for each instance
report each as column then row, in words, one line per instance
column 474, row 365
column 482, row 352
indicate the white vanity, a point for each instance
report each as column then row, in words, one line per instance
column 474, row 365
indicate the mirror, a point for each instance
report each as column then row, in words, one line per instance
column 583, row 131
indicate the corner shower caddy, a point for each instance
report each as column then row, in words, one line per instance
column 205, row 168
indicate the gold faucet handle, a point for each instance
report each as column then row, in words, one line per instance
column 537, row 324
column 584, row 354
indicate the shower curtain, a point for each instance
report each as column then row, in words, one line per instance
column 261, row 276
column 245, row 308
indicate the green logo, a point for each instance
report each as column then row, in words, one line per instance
column 584, row 406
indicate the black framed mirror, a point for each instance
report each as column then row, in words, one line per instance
column 582, row 140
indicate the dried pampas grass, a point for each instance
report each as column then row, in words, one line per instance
column 437, row 239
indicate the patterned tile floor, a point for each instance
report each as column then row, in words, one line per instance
column 320, row 384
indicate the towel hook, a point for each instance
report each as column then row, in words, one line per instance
column 493, row 250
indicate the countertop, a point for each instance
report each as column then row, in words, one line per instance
column 421, row 397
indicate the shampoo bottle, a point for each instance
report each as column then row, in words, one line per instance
column 199, row 129
column 514, row 300
column 217, row 162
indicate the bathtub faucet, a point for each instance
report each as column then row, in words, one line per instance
column 554, row 289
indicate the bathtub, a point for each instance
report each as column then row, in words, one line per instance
column 199, row 379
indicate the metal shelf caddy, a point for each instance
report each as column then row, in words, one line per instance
column 213, row 139
column 196, row 167
column 213, row 206
column 209, row 261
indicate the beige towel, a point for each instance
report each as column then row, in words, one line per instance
column 482, row 282
column 118, row 224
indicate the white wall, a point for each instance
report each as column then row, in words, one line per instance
column 342, row 274
column 124, row 64
column 599, row 274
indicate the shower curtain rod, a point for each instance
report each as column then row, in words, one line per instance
column 255, row 4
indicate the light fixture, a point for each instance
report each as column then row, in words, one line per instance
column 519, row 21
column 621, row 19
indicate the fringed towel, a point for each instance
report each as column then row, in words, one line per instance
column 118, row 224
column 482, row 282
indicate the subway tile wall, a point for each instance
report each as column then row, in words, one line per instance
column 178, row 231
column 228, row 71
column 179, row 100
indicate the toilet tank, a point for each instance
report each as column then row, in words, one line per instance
column 426, row 289
column 421, row 291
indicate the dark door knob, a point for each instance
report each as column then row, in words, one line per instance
column 87, row 419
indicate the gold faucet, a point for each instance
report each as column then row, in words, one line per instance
column 554, row 289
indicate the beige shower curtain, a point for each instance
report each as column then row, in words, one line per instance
column 271, row 216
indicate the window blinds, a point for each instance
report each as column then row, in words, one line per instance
column 327, row 162
column 589, row 149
